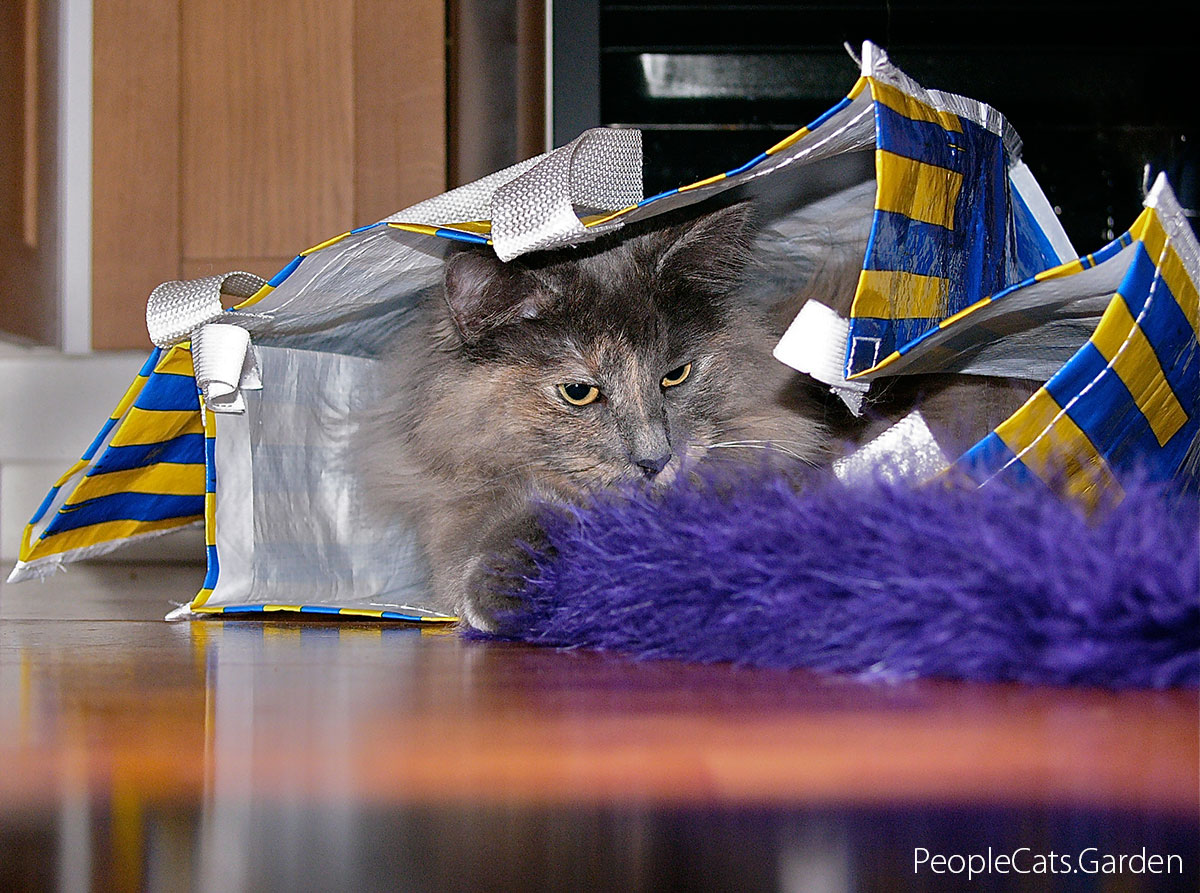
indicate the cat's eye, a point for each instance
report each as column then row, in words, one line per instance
column 579, row 394
column 676, row 376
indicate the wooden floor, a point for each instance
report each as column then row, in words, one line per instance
column 139, row 754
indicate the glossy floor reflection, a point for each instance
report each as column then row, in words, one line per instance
column 137, row 754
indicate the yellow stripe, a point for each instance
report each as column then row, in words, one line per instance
column 890, row 294
column 915, row 189
column 131, row 393
column 716, row 178
column 360, row 612
column 789, row 141
column 597, row 219
column 1182, row 288
column 1149, row 229
column 1053, row 447
column 198, row 602
column 145, row 426
column 165, row 478
column 1125, row 346
column 176, row 361
column 422, row 228
column 101, row 533
column 256, row 297
column 888, row 360
column 479, row 227
column 966, row 311
column 911, row 107
column 325, row 244
column 1070, row 268
column 210, row 519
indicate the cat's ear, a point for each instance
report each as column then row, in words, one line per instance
column 712, row 251
column 482, row 292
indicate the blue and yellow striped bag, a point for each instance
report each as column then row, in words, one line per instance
column 241, row 419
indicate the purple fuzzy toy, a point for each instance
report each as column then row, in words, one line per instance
column 998, row 584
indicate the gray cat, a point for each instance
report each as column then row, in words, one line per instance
column 621, row 362
column 555, row 375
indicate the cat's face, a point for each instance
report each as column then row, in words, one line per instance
column 607, row 366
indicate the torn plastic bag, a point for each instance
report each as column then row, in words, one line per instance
column 242, row 419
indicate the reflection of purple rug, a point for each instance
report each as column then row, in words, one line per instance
column 997, row 584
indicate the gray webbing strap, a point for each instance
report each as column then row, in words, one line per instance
column 176, row 309
column 222, row 357
column 532, row 204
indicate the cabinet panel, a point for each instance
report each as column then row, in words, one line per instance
column 135, row 164
column 267, row 125
column 232, row 134
column 28, row 139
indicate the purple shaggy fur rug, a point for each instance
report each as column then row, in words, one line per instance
column 890, row 582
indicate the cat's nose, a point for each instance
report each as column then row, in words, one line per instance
column 651, row 466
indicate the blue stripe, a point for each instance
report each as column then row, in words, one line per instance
column 655, row 198
column 392, row 615
column 981, row 262
column 243, row 609
column 1032, row 252
column 283, row 274
column 457, row 236
column 825, row 116
column 1139, row 277
column 1107, row 412
column 185, row 449
column 918, row 341
column 318, row 609
column 169, row 391
column 41, row 509
column 95, row 444
column 985, row 460
column 151, row 362
column 363, row 229
column 922, row 141
column 758, row 159
column 210, row 465
column 905, row 233
column 124, row 507
column 213, row 572
column 890, row 332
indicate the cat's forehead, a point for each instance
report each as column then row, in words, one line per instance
column 616, row 275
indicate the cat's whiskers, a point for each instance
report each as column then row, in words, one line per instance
column 563, row 468
column 769, row 445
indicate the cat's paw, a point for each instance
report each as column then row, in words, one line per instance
column 492, row 603
column 494, row 579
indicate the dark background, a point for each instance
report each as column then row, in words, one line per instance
column 1101, row 96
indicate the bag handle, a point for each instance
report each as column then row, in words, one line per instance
column 222, row 356
column 532, row 205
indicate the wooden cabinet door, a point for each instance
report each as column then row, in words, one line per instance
column 28, row 211
column 232, row 134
